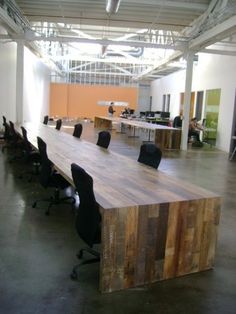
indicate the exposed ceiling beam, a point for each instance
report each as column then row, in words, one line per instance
column 172, row 4
column 215, row 34
column 30, row 36
column 219, row 52
column 99, row 73
column 159, row 64
column 110, row 60
column 8, row 23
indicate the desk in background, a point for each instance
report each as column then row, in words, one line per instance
column 164, row 137
column 157, row 121
column 154, row 227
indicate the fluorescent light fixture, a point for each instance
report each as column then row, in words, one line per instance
column 112, row 6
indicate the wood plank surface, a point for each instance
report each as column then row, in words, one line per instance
column 154, row 226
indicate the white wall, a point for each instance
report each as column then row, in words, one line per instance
column 36, row 88
column 143, row 98
column 7, row 79
column 36, row 82
column 211, row 72
column 172, row 84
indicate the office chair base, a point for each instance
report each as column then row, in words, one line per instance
column 54, row 201
column 89, row 250
column 74, row 274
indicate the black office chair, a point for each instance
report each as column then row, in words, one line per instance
column 7, row 137
column 45, row 120
column 15, row 142
column 3, row 123
column 88, row 219
column 49, row 177
column 150, row 155
column 30, row 155
column 16, row 139
column 78, row 130
column 177, row 122
column 104, row 138
column 58, row 124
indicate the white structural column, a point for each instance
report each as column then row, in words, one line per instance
column 187, row 100
column 19, row 81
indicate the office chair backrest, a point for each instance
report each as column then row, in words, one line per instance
column 4, row 120
column 78, row 130
column 46, row 165
column 104, row 138
column 27, row 145
column 88, row 218
column 14, row 136
column 177, row 122
column 45, row 120
column 150, row 155
column 7, row 131
column 12, row 128
column 58, row 124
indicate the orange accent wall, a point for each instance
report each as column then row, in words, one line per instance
column 75, row 100
column 58, row 100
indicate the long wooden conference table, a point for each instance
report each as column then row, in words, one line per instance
column 165, row 137
column 154, row 226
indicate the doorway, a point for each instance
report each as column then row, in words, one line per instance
column 199, row 103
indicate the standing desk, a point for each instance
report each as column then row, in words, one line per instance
column 154, row 226
column 165, row 137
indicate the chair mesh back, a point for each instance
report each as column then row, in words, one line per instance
column 88, row 218
column 78, row 130
column 104, row 138
column 150, row 155
column 58, row 124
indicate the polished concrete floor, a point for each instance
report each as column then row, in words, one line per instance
column 37, row 252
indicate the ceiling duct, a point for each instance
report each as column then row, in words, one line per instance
column 112, row 6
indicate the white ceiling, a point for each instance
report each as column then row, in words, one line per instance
column 173, row 25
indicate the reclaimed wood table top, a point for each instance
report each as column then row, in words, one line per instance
column 138, row 123
column 118, row 181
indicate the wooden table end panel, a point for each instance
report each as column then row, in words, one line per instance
column 163, row 139
column 102, row 123
column 176, row 139
column 145, row 244
column 112, row 250
column 133, row 246
column 167, row 139
column 192, row 237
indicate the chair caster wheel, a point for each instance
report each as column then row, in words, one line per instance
column 34, row 204
column 74, row 275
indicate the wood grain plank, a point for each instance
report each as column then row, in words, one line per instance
column 154, row 226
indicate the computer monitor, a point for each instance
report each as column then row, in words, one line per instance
column 165, row 115
column 150, row 113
